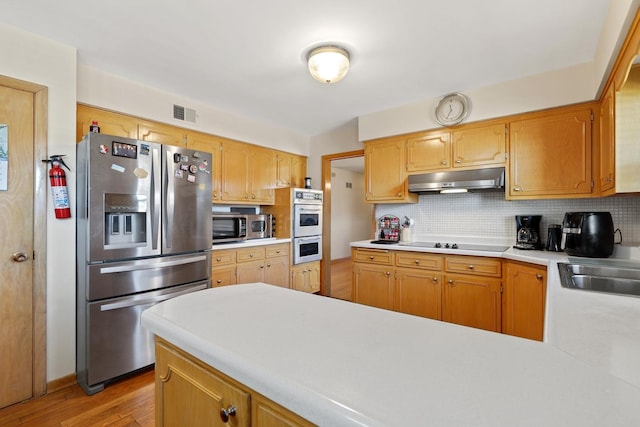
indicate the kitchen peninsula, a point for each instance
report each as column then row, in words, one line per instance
column 337, row 363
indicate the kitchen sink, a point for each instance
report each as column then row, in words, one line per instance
column 601, row 278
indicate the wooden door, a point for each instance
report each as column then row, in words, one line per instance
column 262, row 176
column 431, row 151
column 607, row 152
column 16, row 229
column 419, row 292
column 373, row 285
column 385, row 172
column 523, row 300
column 551, row 155
column 472, row 301
column 481, row 145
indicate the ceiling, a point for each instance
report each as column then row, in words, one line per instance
column 248, row 57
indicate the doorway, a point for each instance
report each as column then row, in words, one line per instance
column 23, row 199
column 343, row 271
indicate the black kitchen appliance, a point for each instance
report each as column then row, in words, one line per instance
column 588, row 234
column 528, row 232
column 554, row 238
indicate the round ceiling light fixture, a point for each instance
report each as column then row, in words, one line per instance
column 328, row 64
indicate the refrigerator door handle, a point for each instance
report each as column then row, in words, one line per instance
column 156, row 299
column 155, row 198
column 151, row 266
column 169, row 199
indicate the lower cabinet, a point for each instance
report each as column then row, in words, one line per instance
column 306, row 277
column 189, row 392
column 267, row 264
column 471, row 294
column 523, row 300
column 479, row 292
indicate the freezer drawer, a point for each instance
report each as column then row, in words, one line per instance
column 114, row 279
column 117, row 342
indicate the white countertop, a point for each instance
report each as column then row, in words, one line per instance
column 342, row 364
column 248, row 243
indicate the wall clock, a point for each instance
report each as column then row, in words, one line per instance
column 452, row 109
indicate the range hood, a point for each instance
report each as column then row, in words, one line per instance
column 478, row 179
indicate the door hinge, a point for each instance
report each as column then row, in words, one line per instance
column 592, row 117
column 33, row 256
column 501, row 288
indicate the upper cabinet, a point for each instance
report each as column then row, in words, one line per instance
column 109, row 123
column 550, row 155
column 607, row 149
column 248, row 175
column 386, row 173
column 290, row 170
column 470, row 146
column 627, row 133
column 241, row 173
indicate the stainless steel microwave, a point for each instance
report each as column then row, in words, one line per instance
column 259, row 226
column 228, row 227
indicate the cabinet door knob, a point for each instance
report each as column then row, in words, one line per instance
column 417, row 262
column 225, row 413
column 399, row 195
column 539, row 276
column 268, row 265
column 517, row 188
column 451, row 281
column 435, row 278
column 458, row 160
column 387, row 273
column 371, row 257
column 471, row 266
column 219, row 281
column 444, row 162
column 218, row 259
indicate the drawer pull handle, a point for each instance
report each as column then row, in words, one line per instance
column 218, row 259
column 417, row 261
column 371, row 257
column 471, row 267
column 226, row 413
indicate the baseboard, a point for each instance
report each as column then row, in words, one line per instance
column 61, row 383
column 341, row 259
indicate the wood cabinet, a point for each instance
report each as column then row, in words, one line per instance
column 264, row 263
column 109, row 122
column 162, row 134
column 418, row 284
column 523, row 300
column 472, row 292
column 243, row 174
column 459, row 289
column 248, row 176
column 290, row 170
column 607, row 149
column 466, row 147
column 306, row 277
column 550, row 155
column 385, row 172
column 188, row 392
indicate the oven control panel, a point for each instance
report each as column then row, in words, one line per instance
column 305, row 195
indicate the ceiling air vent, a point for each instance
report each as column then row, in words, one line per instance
column 185, row 114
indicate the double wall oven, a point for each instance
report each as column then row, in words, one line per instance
column 307, row 225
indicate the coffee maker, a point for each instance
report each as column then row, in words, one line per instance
column 528, row 232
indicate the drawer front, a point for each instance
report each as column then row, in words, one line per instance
column 224, row 257
column 250, row 254
column 474, row 265
column 418, row 260
column 277, row 250
column 372, row 256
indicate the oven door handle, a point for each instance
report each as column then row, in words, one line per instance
column 308, row 239
column 134, row 302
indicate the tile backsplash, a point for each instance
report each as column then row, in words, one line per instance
column 488, row 214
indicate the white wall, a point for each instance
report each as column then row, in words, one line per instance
column 340, row 140
column 115, row 93
column 350, row 215
column 37, row 60
column 570, row 85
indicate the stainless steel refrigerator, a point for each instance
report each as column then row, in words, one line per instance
column 143, row 236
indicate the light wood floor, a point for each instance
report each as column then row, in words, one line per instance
column 128, row 403
column 341, row 279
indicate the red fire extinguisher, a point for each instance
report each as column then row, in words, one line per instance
column 59, row 186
